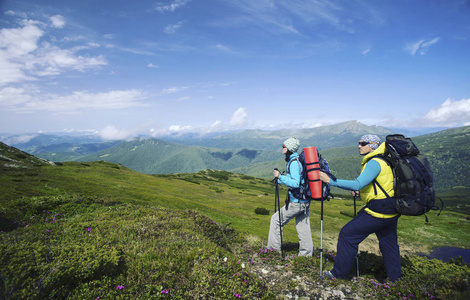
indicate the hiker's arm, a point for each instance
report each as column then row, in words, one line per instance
column 371, row 171
column 292, row 180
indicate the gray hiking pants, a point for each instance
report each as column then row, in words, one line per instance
column 299, row 211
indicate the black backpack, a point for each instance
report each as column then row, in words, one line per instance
column 303, row 192
column 413, row 177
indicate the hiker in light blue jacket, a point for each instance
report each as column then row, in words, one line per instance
column 294, row 207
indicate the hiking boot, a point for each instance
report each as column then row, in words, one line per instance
column 328, row 274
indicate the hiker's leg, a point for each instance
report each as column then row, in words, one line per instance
column 388, row 243
column 274, row 238
column 350, row 236
column 302, row 224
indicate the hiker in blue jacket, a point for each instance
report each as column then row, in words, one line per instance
column 294, row 207
column 378, row 216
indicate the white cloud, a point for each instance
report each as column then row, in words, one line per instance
column 23, row 58
column 16, row 13
column 180, row 128
column 180, row 99
column 12, row 98
column 112, row 133
column 93, row 45
column 150, row 65
column 170, row 29
column 174, row 5
column 450, row 113
column 173, row 90
column 223, row 48
column 132, row 50
column 18, row 99
column 217, row 125
column 17, row 42
column 174, row 130
column 281, row 16
column 58, row 21
column 51, row 60
column 21, row 139
column 239, row 117
column 11, row 71
column 421, row 46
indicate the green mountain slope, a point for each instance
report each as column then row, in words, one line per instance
column 12, row 158
column 153, row 156
column 448, row 152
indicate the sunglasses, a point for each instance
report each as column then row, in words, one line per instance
column 283, row 146
column 363, row 143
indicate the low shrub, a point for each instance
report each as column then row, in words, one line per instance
column 81, row 248
column 261, row 211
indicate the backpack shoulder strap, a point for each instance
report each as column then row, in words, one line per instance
column 298, row 161
column 387, row 161
column 384, row 158
column 380, row 187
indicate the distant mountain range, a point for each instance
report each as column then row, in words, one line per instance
column 324, row 137
column 229, row 151
column 254, row 152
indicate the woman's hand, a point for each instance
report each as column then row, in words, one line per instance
column 355, row 193
column 276, row 173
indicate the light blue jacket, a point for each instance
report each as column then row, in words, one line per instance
column 293, row 177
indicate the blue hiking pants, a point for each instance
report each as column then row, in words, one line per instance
column 354, row 232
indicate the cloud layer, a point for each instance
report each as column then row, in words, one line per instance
column 23, row 57
column 450, row 113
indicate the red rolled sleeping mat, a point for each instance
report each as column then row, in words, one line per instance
column 313, row 172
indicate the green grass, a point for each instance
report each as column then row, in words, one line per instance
column 226, row 198
column 80, row 247
column 76, row 247
column 170, row 233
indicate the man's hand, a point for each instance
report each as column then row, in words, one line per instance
column 325, row 178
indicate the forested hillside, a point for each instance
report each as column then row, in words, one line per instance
column 448, row 152
column 153, row 156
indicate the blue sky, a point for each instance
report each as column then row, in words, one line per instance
column 121, row 68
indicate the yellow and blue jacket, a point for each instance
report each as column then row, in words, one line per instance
column 372, row 168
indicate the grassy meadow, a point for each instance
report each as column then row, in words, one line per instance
column 101, row 231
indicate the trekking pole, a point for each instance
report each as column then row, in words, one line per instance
column 321, row 237
column 277, row 206
column 357, row 255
